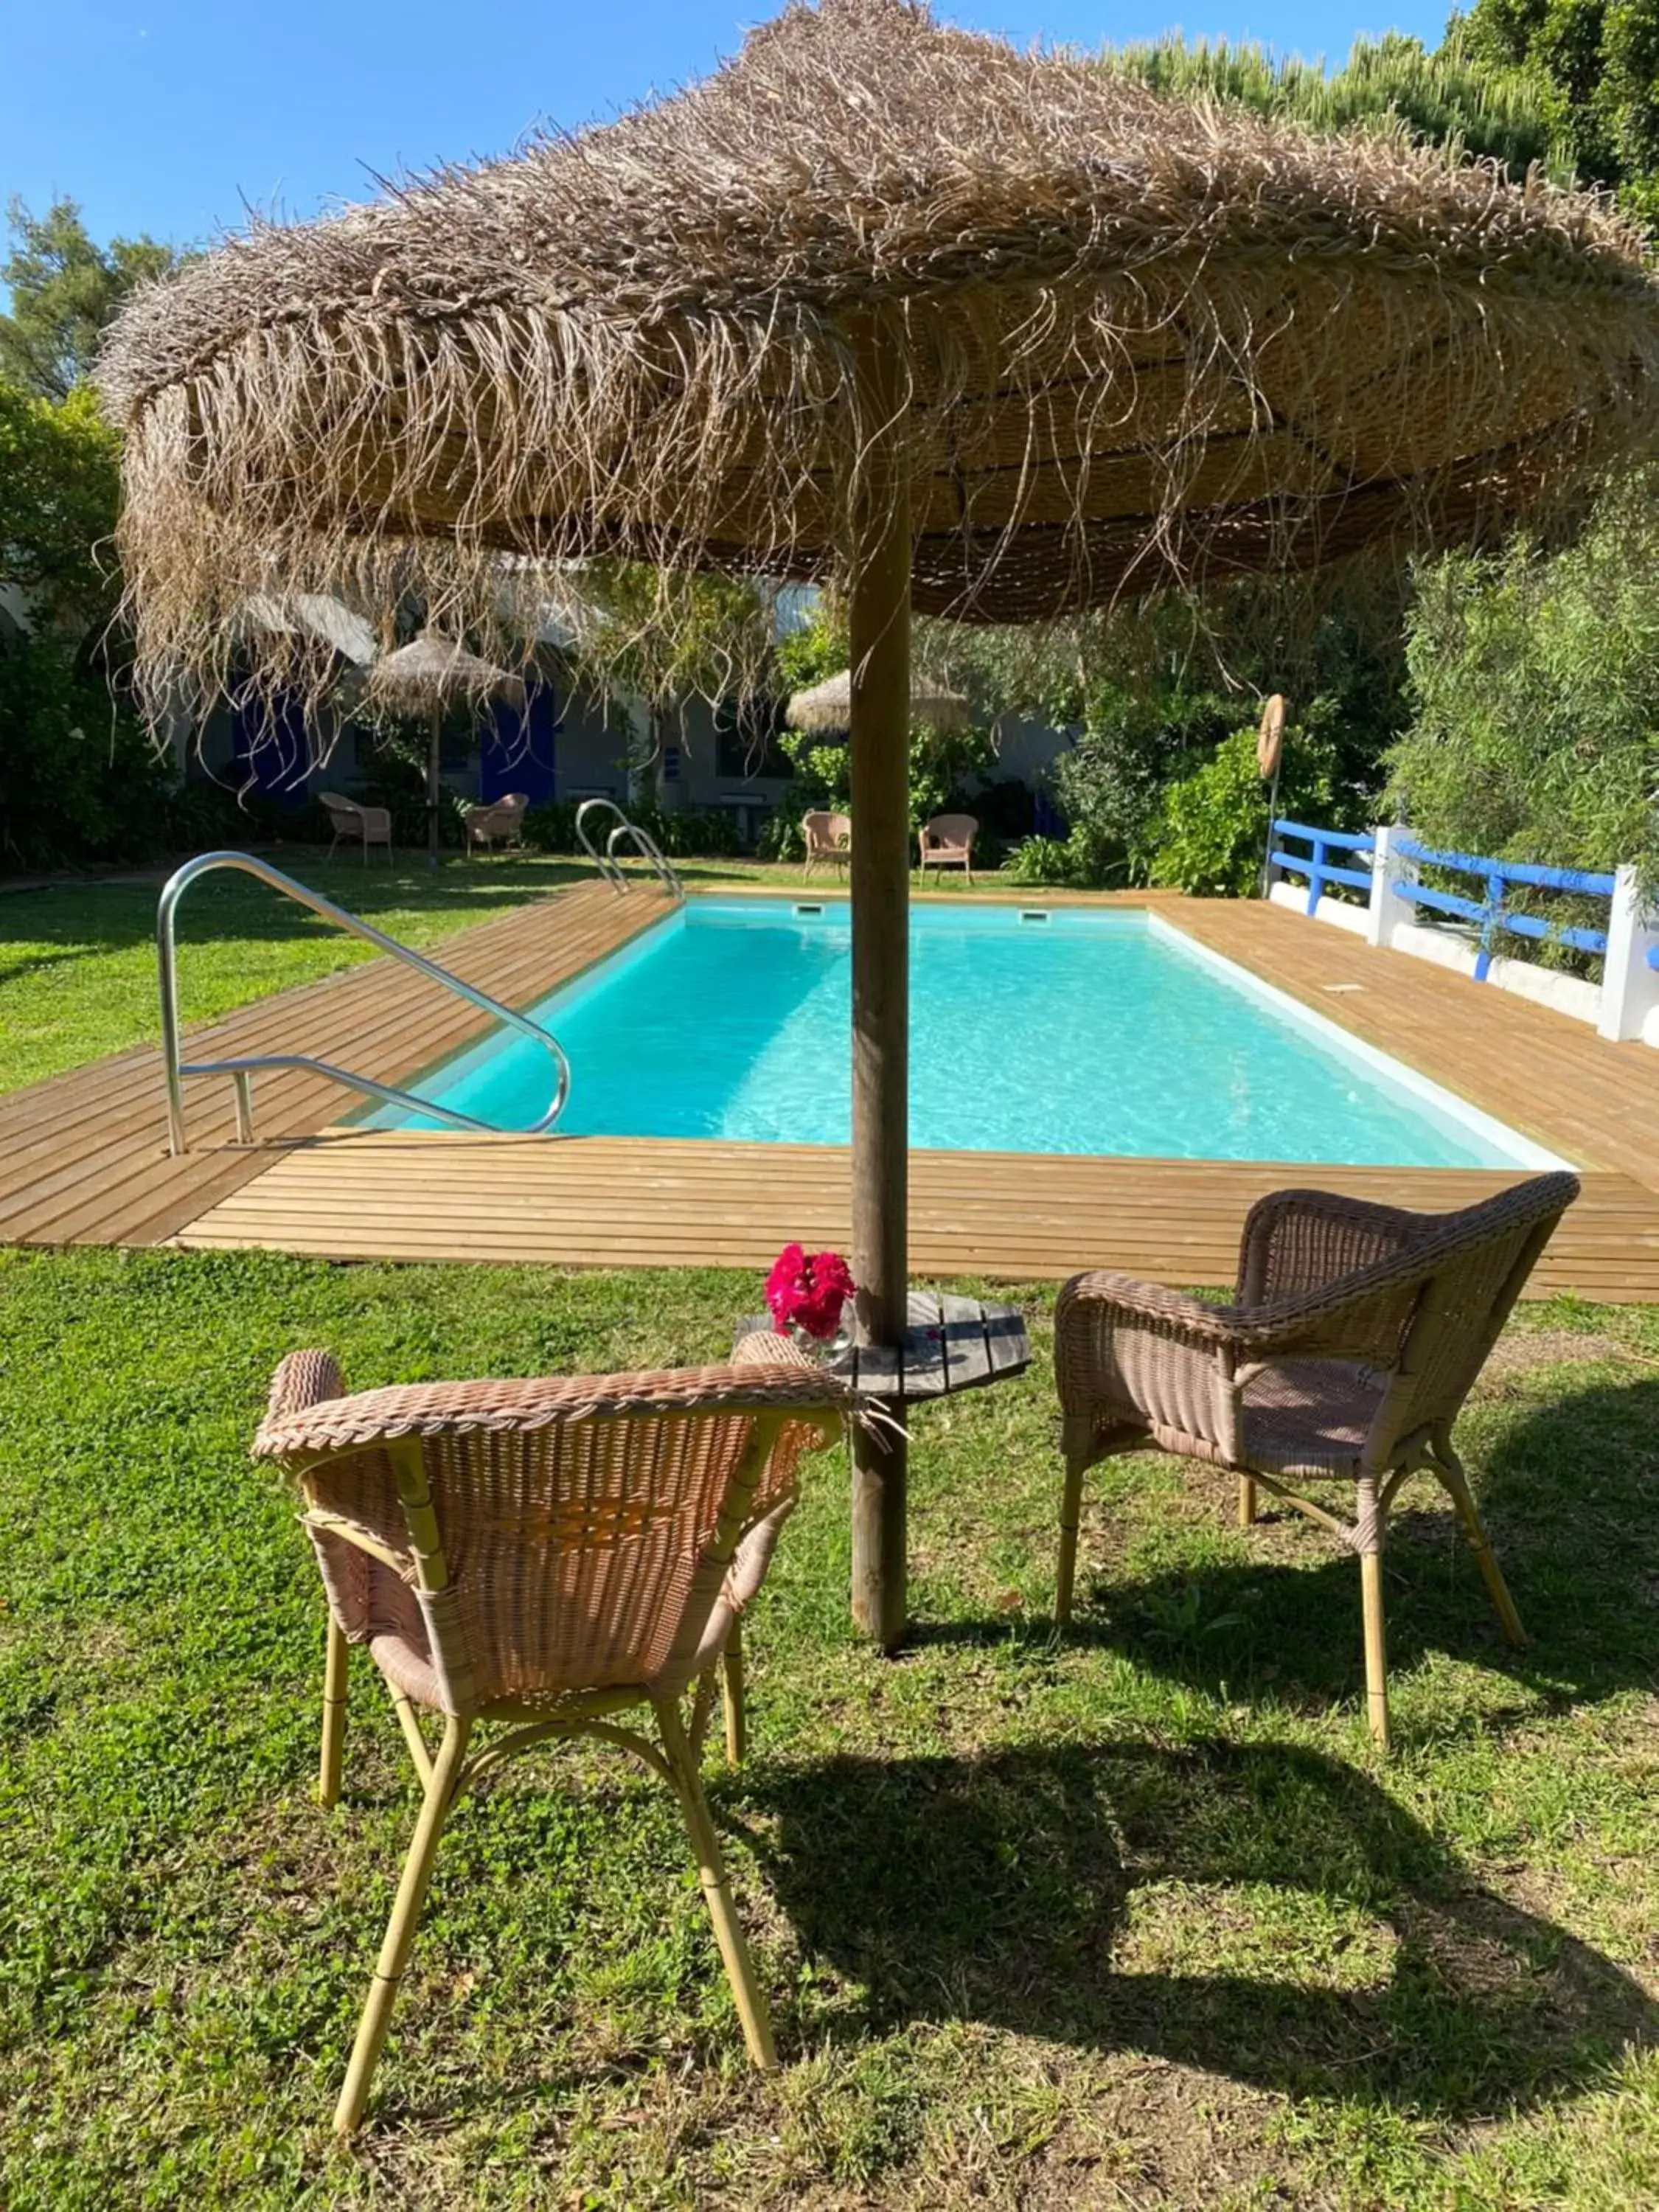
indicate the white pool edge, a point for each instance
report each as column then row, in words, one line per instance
column 1333, row 1037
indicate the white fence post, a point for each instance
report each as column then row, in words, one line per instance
column 1389, row 911
column 1630, row 986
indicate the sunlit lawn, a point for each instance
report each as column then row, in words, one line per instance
column 1132, row 1918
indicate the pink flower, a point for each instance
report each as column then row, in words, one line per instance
column 808, row 1294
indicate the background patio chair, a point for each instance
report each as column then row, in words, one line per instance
column 828, row 837
column 348, row 819
column 542, row 1556
column 1358, row 1334
column 947, row 841
column 499, row 822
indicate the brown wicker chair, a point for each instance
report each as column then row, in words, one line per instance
column 501, row 821
column 347, row 818
column 1358, row 1333
column 947, row 841
column 827, row 837
column 542, row 1556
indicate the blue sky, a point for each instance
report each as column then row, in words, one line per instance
column 175, row 116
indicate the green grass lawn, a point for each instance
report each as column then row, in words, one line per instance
column 1133, row 1918
column 77, row 962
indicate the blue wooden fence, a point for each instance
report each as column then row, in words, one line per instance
column 1315, row 865
column 1493, row 913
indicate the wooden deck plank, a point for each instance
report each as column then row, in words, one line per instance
column 586, row 1202
column 82, row 1157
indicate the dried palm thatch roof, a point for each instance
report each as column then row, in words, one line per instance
column 433, row 672
column 829, row 705
column 1138, row 339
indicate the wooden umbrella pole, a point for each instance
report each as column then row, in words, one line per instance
column 880, row 622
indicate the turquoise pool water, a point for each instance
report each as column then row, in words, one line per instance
column 1083, row 1032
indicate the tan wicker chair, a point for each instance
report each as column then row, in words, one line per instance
column 947, row 841
column 500, row 822
column 542, row 1556
column 1358, row 1334
column 346, row 818
column 828, row 837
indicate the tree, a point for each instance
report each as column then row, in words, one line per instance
column 65, row 292
column 59, row 486
column 1467, row 93
column 1535, row 683
column 1592, row 67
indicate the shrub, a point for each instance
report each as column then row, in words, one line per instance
column 1212, row 831
column 1041, row 860
column 1535, row 683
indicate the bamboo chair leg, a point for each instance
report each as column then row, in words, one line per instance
column 1071, row 1513
column 731, row 1701
column 336, row 1661
column 717, row 1891
column 410, row 1722
column 400, row 1928
column 1450, row 1469
column 1376, row 1656
column 1246, row 1502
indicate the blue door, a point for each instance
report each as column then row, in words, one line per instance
column 271, row 752
column 519, row 747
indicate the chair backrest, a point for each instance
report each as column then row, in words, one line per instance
column 1426, row 1315
column 337, row 803
column 827, row 833
column 955, row 832
column 578, row 1532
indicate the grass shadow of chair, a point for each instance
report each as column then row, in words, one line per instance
column 1004, row 1889
column 1566, row 1489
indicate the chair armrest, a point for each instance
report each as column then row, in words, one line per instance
column 1297, row 1241
column 1133, row 1355
column 304, row 1379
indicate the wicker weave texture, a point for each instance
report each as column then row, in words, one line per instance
column 1400, row 1309
column 590, row 1533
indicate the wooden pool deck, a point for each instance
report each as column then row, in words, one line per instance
column 83, row 1158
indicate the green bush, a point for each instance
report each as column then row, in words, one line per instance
column 1041, row 860
column 78, row 780
column 1535, row 681
column 551, row 827
column 1211, row 831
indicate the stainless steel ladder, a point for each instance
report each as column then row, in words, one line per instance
column 243, row 1069
column 606, row 862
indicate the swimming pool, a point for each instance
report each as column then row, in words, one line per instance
column 1061, row 1030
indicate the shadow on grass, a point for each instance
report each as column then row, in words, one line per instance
column 1011, row 1889
column 1566, row 1492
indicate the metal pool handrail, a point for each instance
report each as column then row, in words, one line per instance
column 606, row 862
column 242, row 1069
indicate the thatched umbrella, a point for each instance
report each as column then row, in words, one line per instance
column 993, row 334
column 430, row 674
column 829, row 705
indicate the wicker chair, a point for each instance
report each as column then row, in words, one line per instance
column 1358, row 1334
column 947, row 841
column 827, row 837
column 500, row 822
column 544, row 1556
column 347, row 818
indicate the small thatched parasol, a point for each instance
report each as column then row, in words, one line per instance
column 430, row 674
column 994, row 335
column 829, row 705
